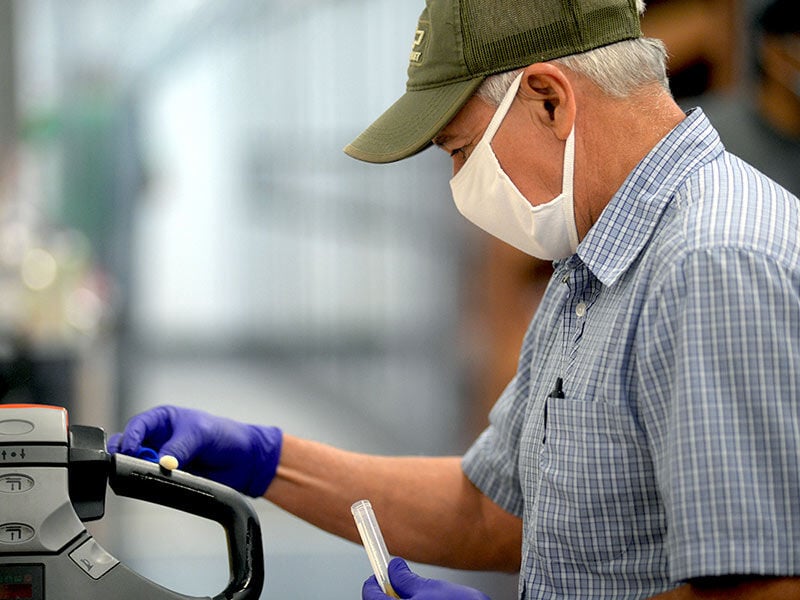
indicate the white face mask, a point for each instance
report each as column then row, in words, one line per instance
column 485, row 195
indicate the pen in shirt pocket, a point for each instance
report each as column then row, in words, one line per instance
column 558, row 392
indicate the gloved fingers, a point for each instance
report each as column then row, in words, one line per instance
column 372, row 590
column 112, row 445
column 188, row 440
column 410, row 585
column 151, row 428
column 205, row 444
column 404, row 581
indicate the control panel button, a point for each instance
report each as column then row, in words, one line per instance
column 15, row 533
column 33, row 424
column 15, row 427
column 93, row 559
column 15, row 483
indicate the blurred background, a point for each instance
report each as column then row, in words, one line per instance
column 178, row 224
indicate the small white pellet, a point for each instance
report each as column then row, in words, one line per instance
column 170, row 463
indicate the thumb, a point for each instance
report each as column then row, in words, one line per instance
column 183, row 447
column 185, row 442
column 404, row 581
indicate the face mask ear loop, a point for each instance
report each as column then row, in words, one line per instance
column 569, row 164
column 567, row 182
column 502, row 110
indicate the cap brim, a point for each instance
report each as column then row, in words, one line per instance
column 408, row 126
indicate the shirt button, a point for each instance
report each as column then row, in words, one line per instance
column 580, row 310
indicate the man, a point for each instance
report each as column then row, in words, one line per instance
column 649, row 445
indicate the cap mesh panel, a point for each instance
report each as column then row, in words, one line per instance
column 504, row 34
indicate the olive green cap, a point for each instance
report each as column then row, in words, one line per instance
column 458, row 43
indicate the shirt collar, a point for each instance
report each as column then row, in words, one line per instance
column 628, row 221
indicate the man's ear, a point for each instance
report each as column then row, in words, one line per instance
column 550, row 97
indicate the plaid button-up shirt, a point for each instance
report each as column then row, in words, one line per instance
column 673, row 450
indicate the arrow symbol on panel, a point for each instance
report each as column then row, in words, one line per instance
column 15, row 532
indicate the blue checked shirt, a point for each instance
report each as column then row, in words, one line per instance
column 675, row 449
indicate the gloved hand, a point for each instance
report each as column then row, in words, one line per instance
column 244, row 457
column 413, row 587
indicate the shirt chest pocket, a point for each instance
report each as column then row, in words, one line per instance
column 587, row 489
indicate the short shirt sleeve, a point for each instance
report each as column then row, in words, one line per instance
column 491, row 464
column 719, row 373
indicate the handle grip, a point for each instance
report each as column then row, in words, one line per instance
column 142, row 480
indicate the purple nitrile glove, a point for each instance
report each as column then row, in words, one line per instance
column 244, row 457
column 411, row 586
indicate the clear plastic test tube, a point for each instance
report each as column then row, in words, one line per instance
column 372, row 539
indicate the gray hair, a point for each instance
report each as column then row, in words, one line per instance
column 619, row 69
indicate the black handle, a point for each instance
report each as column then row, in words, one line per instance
column 135, row 478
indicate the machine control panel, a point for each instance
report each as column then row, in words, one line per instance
column 33, row 480
column 53, row 478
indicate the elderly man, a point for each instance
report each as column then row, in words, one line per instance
column 649, row 444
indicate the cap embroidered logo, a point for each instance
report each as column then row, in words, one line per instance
column 416, row 48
